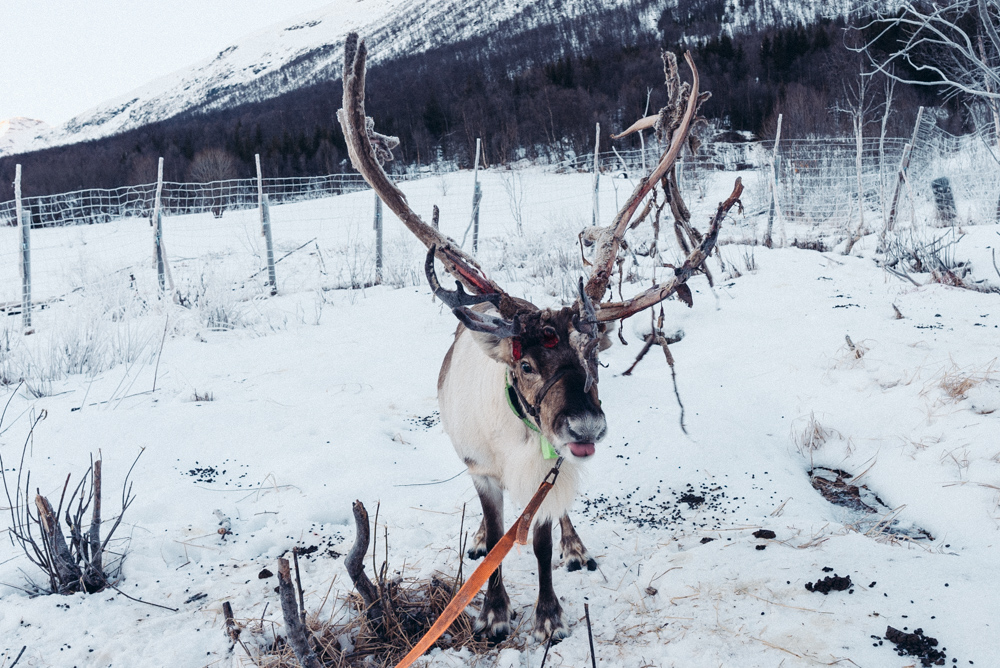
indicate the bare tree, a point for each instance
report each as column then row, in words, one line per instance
column 212, row 164
column 955, row 44
column 513, row 185
column 859, row 104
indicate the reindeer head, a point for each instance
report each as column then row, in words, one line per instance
column 551, row 359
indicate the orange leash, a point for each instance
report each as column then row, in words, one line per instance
column 518, row 533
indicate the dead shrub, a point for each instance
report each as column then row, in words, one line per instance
column 77, row 564
column 356, row 643
column 378, row 624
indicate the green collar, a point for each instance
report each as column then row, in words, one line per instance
column 548, row 452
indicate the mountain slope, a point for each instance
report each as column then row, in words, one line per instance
column 288, row 57
column 18, row 132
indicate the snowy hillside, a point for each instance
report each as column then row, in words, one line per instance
column 287, row 57
column 18, row 133
column 270, row 416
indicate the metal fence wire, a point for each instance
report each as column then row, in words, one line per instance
column 95, row 206
column 822, row 187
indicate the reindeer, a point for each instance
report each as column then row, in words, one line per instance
column 518, row 389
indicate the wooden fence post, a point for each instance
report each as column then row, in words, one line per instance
column 944, row 200
column 477, row 195
column 768, row 239
column 266, row 223
column 24, row 223
column 597, row 177
column 265, row 227
column 903, row 166
column 158, row 226
column 378, row 240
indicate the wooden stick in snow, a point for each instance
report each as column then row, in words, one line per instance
column 62, row 559
column 355, row 564
column 295, row 629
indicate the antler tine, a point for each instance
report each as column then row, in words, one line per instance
column 586, row 321
column 458, row 300
column 656, row 294
column 484, row 322
column 609, row 238
column 585, row 343
column 358, row 134
column 457, row 297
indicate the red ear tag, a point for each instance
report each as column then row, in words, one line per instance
column 515, row 348
column 549, row 338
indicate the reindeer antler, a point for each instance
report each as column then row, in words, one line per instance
column 656, row 294
column 674, row 126
column 609, row 238
column 365, row 146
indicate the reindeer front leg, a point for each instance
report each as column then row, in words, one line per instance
column 496, row 614
column 548, row 613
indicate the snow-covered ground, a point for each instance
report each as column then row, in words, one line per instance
column 326, row 394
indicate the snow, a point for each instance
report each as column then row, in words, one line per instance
column 324, row 396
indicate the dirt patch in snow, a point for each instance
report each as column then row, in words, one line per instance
column 870, row 515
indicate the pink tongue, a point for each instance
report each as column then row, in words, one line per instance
column 582, row 449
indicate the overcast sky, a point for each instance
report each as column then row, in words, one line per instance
column 62, row 57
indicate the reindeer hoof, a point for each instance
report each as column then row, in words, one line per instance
column 577, row 563
column 477, row 552
column 493, row 623
column 549, row 627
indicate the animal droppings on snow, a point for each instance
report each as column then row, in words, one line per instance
column 830, row 583
column 917, row 644
column 670, row 508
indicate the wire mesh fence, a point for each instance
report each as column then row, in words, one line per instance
column 101, row 241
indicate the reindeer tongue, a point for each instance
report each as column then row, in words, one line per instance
column 582, row 449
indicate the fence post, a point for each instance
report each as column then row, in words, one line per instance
column 768, row 240
column 266, row 223
column 265, row 227
column 944, row 200
column 378, row 240
column 158, row 226
column 24, row 223
column 597, row 176
column 477, row 195
column 903, row 166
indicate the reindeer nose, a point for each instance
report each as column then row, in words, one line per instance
column 586, row 427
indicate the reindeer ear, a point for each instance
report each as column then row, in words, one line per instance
column 604, row 342
column 503, row 350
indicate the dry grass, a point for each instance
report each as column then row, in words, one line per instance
column 349, row 641
column 811, row 435
column 202, row 396
column 956, row 382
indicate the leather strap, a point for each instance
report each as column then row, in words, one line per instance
column 518, row 532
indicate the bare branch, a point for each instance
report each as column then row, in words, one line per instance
column 938, row 41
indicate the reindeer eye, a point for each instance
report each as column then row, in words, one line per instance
column 525, row 367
